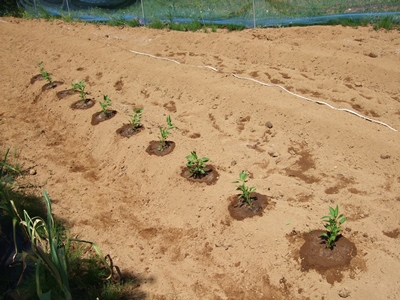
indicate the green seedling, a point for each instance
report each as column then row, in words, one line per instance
column 333, row 225
column 136, row 118
column 104, row 105
column 164, row 133
column 45, row 74
column 196, row 165
column 80, row 87
column 246, row 191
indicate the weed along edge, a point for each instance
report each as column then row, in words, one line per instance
column 210, row 177
column 152, row 149
column 328, row 262
column 101, row 116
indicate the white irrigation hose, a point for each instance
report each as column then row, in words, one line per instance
column 172, row 60
column 316, row 101
column 153, row 56
column 278, row 86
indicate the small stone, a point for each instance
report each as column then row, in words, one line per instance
column 32, row 172
column 344, row 293
column 269, row 125
column 385, row 156
column 273, row 153
column 358, row 84
column 233, row 163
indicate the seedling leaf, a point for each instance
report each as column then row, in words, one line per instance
column 104, row 105
column 246, row 191
column 80, row 87
column 164, row 133
column 333, row 222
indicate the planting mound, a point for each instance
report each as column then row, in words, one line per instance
column 315, row 255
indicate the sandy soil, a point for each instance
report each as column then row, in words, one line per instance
column 177, row 236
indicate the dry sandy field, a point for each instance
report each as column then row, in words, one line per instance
column 311, row 113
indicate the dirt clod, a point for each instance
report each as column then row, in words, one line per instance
column 344, row 293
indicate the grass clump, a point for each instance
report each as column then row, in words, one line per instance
column 387, row 23
column 234, row 27
column 350, row 22
column 8, row 171
column 39, row 258
column 10, row 8
column 156, row 24
column 191, row 26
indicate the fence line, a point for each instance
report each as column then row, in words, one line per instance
column 250, row 13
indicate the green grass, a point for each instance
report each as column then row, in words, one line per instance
column 69, row 268
column 191, row 26
column 234, row 27
column 387, row 23
column 349, row 22
column 194, row 26
column 121, row 22
column 156, row 24
column 378, row 23
column 10, row 8
column 164, row 12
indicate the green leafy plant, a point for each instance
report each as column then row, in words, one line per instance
column 48, row 251
column 44, row 73
column 385, row 22
column 8, row 171
column 51, row 255
column 136, row 118
column 164, row 133
column 46, row 262
column 333, row 226
column 196, row 165
column 246, row 191
column 80, row 87
column 104, row 105
column 156, row 24
column 7, row 176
